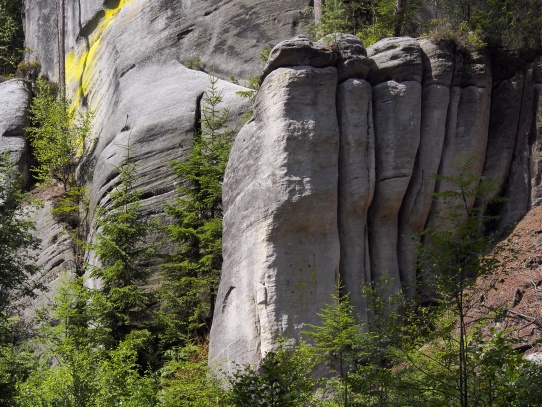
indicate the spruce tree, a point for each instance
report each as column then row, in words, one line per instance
column 121, row 247
column 193, row 271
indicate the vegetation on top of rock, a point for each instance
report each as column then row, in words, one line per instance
column 509, row 23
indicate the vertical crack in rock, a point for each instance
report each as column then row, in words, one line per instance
column 438, row 65
column 397, row 119
column 536, row 136
column 467, row 123
column 356, row 184
column 519, row 188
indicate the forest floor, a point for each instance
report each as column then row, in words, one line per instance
column 517, row 284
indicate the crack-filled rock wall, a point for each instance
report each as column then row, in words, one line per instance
column 335, row 175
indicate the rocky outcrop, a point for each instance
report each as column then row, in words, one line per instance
column 55, row 258
column 270, row 221
column 14, row 102
column 146, row 96
column 392, row 118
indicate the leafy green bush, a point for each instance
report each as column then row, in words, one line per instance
column 56, row 136
column 186, row 380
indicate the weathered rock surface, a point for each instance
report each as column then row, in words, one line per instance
column 14, row 102
column 422, row 106
column 334, row 177
column 270, row 222
column 228, row 35
column 398, row 59
column 56, row 258
column 352, row 61
column 299, row 51
column 144, row 95
column 356, row 184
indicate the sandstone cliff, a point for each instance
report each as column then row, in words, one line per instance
column 127, row 60
column 335, row 175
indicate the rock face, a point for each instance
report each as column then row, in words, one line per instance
column 128, row 61
column 14, row 102
column 335, row 175
column 293, row 174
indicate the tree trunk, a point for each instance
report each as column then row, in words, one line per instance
column 400, row 9
column 317, row 11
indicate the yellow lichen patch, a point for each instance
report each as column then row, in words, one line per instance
column 79, row 63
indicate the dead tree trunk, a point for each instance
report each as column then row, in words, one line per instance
column 317, row 11
column 400, row 9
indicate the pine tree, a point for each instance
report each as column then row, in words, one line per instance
column 336, row 339
column 16, row 271
column 193, row 272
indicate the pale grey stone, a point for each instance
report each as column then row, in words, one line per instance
column 14, row 103
column 55, row 258
column 352, row 61
column 299, row 51
column 228, row 35
column 356, row 185
column 438, row 62
column 419, row 196
column 519, row 188
column 505, row 112
column 398, row 59
column 281, row 243
column 397, row 118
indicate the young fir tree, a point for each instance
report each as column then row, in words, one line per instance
column 121, row 247
column 336, row 339
column 193, row 272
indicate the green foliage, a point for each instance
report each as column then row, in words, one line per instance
column 335, row 19
column 508, row 23
column 56, row 137
column 122, row 250
column 186, row 380
column 370, row 20
column 514, row 24
column 193, row 272
column 16, row 270
column 282, row 379
column 76, row 370
column 336, row 340
column 70, row 209
column 11, row 35
column 28, row 70
column 195, row 64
